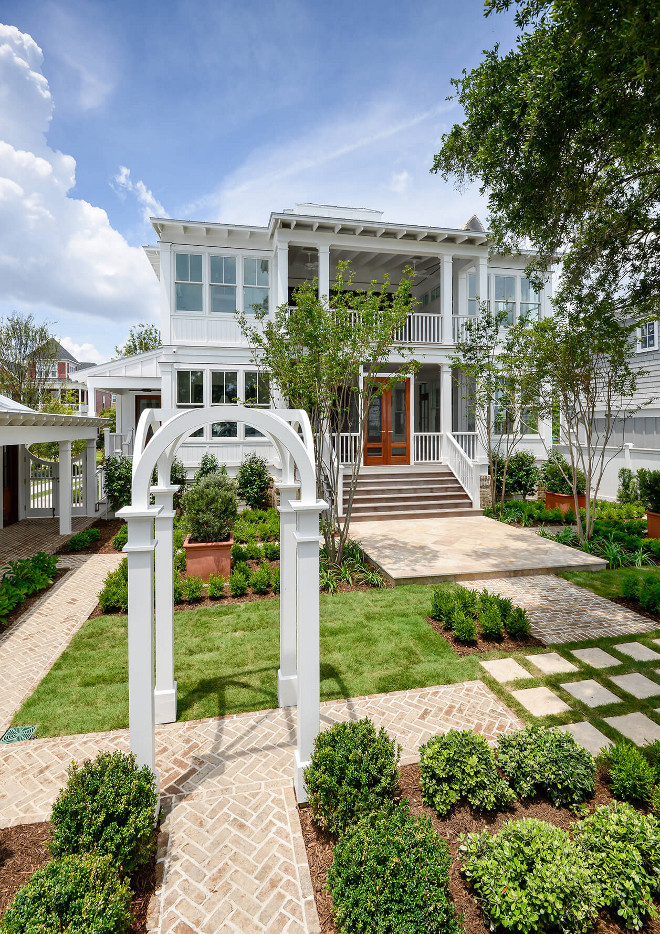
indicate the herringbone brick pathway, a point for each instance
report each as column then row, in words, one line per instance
column 560, row 611
column 22, row 539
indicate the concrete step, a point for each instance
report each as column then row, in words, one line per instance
column 413, row 496
column 432, row 514
column 394, row 508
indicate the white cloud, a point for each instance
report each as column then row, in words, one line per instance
column 86, row 353
column 150, row 204
column 399, row 182
column 56, row 251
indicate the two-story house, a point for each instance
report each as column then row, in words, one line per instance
column 209, row 271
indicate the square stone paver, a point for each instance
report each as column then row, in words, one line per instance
column 636, row 684
column 641, row 653
column 541, row 702
column 591, row 693
column 551, row 663
column 505, row 669
column 587, row 735
column 597, row 658
column 636, row 726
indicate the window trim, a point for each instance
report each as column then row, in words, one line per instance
column 656, row 344
column 206, row 253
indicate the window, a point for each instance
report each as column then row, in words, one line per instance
column 648, row 336
column 255, row 284
column 190, row 392
column 472, row 293
column 188, row 282
column 504, row 288
column 224, row 390
column 257, row 392
column 223, row 284
column 530, row 300
column 435, row 293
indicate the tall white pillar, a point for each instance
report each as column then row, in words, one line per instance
column 309, row 679
column 446, row 303
column 287, row 675
column 65, row 492
column 140, row 552
column 165, row 692
column 90, row 478
column 282, row 274
column 482, row 278
column 324, row 272
column 445, row 398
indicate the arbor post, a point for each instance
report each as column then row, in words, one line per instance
column 165, row 691
column 287, row 676
column 90, row 478
column 65, row 492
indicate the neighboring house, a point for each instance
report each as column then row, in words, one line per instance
column 61, row 385
column 208, row 271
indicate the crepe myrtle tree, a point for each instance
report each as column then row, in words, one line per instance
column 326, row 355
column 500, row 392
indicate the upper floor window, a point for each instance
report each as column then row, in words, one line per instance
column 257, row 392
column 255, row 284
column 530, row 300
column 648, row 336
column 188, row 282
column 223, row 284
column 472, row 293
column 504, row 295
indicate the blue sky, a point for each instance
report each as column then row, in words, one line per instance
column 214, row 111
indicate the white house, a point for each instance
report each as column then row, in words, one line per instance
column 208, row 271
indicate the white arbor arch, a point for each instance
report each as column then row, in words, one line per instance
column 150, row 572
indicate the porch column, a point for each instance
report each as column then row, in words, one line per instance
column 65, row 491
column 2, row 484
column 446, row 390
column 309, row 680
column 482, row 278
column 165, row 691
column 446, row 298
column 282, row 274
column 140, row 553
column 324, row 271
column 411, row 416
column 90, row 478
column 287, row 675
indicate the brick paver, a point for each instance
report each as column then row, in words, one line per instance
column 22, row 539
column 560, row 611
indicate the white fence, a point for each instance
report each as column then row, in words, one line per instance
column 43, row 480
column 629, row 456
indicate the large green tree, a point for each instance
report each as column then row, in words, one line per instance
column 563, row 134
column 141, row 338
column 27, row 359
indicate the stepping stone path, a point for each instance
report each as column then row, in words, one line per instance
column 638, row 651
column 588, row 736
column 596, row 658
column 635, row 726
column 591, row 693
column 541, row 702
column 505, row 669
column 551, row 663
column 637, row 685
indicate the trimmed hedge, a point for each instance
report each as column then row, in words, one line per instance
column 82, row 540
column 548, row 762
column 464, row 611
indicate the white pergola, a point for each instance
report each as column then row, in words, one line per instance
column 151, row 575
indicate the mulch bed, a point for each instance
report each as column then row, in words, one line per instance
column 505, row 644
column 636, row 608
column 461, row 820
column 108, row 529
column 23, row 851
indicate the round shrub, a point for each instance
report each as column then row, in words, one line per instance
column 272, row 550
column 464, row 627
column 530, row 877
column 261, row 579
column 390, row 874
column 216, row 587
column 118, row 480
column 460, row 766
column 74, row 894
column 120, row 538
column 107, row 806
column 208, row 465
column 353, row 772
column 517, row 623
column 547, row 762
column 490, row 620
column 556, row 475
column 254, row 480
column 443, row 606
column 628, row 773
column 211, row 508
column 238, row 584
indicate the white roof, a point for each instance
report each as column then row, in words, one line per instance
column 8, row 405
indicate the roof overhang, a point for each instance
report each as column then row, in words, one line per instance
column 32, row 427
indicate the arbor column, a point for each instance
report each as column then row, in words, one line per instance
column 90, row 478
column 165, row 692
column 65, row 491
column 287, row 675
column 324, row 271
column 446, row 298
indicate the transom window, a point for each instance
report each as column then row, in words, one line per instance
column 188, row 282
column 255, row 284
column 223, row 284
column 648, row 337
column 224, row 390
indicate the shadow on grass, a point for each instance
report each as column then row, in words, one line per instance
column 223, row 688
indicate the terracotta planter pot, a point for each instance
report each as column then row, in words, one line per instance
column 653, row 524
column 564, row 501
column 206, row 558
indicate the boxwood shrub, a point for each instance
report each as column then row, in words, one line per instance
column 628, row 773
column 107, row 806
column 547, row 762
column 460, row 766
column 114, row 595
column 84, row 539
column 353, row 772
column 389, row 875
column 74, row 894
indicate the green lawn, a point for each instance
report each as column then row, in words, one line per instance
column 608, row 583
column 226, row 660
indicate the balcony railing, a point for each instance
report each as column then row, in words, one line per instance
column 420, row 329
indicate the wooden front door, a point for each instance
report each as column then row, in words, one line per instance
column 388, row 427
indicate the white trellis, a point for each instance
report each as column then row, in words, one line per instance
column 150, row 573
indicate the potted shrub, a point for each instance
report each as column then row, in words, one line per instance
column 210, row 509
column 556, row 478
column 649, row 490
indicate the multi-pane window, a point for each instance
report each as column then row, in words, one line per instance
column 648, row 336
column 255, row 284
column 188, row 282
column 223, row 284
column 190, row 392
column 504, row 296
column 224, row 390
column 472, row 293
column 530, row 300
column 257, row 392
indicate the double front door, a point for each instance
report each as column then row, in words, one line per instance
column 388, row 427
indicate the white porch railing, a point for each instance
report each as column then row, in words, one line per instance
column 428, row 447
column 78, row 483
column 420, row 328
column 468, row 441
column 348, row 447
column 114, row 442
column 466, row 470
column 458, row 323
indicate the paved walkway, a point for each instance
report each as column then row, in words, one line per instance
column 22, row 539
column 560, row 611
column 428, row 551
column 32, row 644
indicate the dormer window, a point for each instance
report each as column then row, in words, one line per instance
column 188, row 282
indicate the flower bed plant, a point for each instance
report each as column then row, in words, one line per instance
column 23, row 578
column 629, row 773
column 82, row 540
column 465, row 612
column 254, row 481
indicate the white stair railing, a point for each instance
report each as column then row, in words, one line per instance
column 468, row 441
column 466, row 470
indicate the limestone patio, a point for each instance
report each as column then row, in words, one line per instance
column 428, row 551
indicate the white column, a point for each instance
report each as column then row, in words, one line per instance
column 65, row 491
column 309, row 682
column 2, row 484
column 140, row 552
column 482, row 278
column 445, row 398
column 165, row 690
column 411, row 426
column 166, row 292
column 446, row 305
column 287, row 675
column 324, row 271
column 282, row 274
column 90, row 478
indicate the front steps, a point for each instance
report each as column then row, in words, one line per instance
column 410, row 492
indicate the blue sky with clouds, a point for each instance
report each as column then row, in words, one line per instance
column 215, row 111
